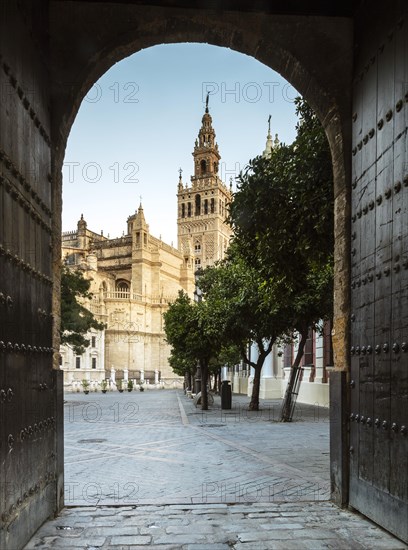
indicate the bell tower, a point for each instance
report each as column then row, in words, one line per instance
column 203, row 234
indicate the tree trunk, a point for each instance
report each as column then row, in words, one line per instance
column 187, row 378
column 218, row 388
column 263, row 354
column 204, row 390
column 287, row 412
column 254, row 404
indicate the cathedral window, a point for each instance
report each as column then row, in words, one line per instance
column 197, row 262
column 122, row 289
column 206, row 206
column 93, row 344
column 77, row 362
column 197, row 247
column 203, row 166
column 212, row 206
column 197, row 205
column 183, row 210
column 189, row 209
column 94, row 362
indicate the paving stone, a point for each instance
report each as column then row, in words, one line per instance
column 313, row 533
column 149, row 508
column 150, row 547
column 190, row 538
column 121, row 540
column 270, row 545
column 196, row 528
column 108, row 531
column 216, row 546
column 54, row 542
column 277, row 526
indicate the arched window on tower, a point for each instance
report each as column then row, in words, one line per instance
column 197, row 247
column 197, row 205
column 203, row 165
column 215, row 165
column 206, row 206
column 212, row 206
column 189, row 209
column 183, row 210
column 122, row 289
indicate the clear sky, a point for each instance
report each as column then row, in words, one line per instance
column 137, row 127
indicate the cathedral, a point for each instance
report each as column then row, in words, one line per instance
column 135, row 277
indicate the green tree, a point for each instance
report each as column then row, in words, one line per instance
column 236, row 296
column 282, row 215
column 76, row 319
column 192, row 333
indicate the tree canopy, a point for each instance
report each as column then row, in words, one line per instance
column 191, row 330
column 237, row 297
column 76, row 319
column 282, row 213
column 282, row 216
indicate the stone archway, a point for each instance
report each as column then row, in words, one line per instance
column 50, row 58
column 307, row 63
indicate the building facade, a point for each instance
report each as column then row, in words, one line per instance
column 135, row 277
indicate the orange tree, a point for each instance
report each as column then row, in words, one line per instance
column 191, row 330
column 282, row 215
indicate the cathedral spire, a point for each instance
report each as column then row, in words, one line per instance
column 206, row 155
column 269, row 143
column 180, row 183
column 140, row 220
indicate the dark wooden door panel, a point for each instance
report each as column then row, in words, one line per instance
column 379, row 244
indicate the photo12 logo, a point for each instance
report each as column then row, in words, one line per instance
column 93, row 172
column 94, row 492
column 117, row 92
column 249, row 92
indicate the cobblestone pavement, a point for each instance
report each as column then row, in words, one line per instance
column 156, row 447
column 150, row 470
column 256, row 526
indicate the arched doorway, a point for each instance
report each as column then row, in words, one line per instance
column 50, row 59
column 76, row 59
column 305, row 68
